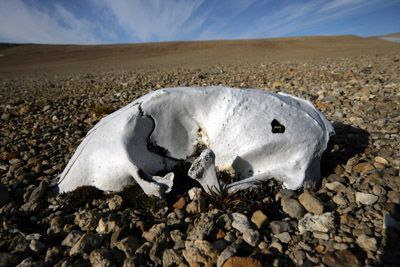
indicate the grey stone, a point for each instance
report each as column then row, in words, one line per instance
column 323, row 223
column 156, row 232
column 367, row 243
column 240, row 222
column 115, row 203
column 279, row 227
column 36, row 246
column 102, row 257
column 293, row 208
column 228, row 252
column 200, row 253
column 72, row 238
column 86, row 244
column 283, row 237
column 87, row 220
column 366, row 198
column 171, row 258
column 251, row 237
column 311, row 203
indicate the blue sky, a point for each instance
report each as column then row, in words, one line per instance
column 132, row 21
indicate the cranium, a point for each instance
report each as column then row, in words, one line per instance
column 255, row 134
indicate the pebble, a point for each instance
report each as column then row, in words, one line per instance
column 180, row 203
column 236, row 261
column 72, row 238
column 259, row 218
column 86, row 244
column 342, row 258
column 366, row 198
column 240, row 222
column 311, row 203
column 319, row 235
column 335, row 186
column 381, row 160
column 251, row 237
column 283, row 237
column 292, row 207
column 367, row 243
column 322, row 223
column 200, row 253
column 115, row 203
column 37, row 246
column 279, row 227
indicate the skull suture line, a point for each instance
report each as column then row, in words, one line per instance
column 257, row 134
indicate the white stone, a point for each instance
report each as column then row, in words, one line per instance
column 366, row 198
column 253, row 133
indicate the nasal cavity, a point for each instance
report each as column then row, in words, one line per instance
column 277, row 127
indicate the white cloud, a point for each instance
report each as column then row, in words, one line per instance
column 307, row 15
column 20, row 22
column 156, row 19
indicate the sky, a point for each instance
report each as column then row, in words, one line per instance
column 136, row 21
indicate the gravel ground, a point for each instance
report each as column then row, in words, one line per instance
column 352, row 219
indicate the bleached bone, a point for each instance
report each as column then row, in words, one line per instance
column 203, row 170
column 255, row 133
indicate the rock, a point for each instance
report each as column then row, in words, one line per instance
column 115, row 203
column 363, row 168
column 224, row 222
column 203, row 227
column 367, row 243
column 279, row 227
column 319, row 235
column 366, row 198
column 35, row 198
column 157, row 250
column 87, row 220
column 86, row 244
column 128, row 245
column 283, row 237
column 339, row 199
column 236, row 261
column 107, row 225
column 311, row 203
column 53, row 254
column 171, row 258
column 259, row 218
column 394, row 197
column 156, row 232
column 4, row 195
column 335, row 186
column 200, row 253
column 342, row 258
column 322, row 223
column 72, row 238
column 381, row 160
column 102, row 257
column 180, row 203
column 240, row 222
column 228, row 252
column 194, row 193
column 36, row 246
column 293, row 208
column 192, row 207
column 251, row 237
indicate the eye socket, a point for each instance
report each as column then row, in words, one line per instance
column 277, row 127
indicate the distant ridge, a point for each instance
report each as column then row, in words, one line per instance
column 48, row 59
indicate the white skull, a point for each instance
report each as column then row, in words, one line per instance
column 253, row 133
